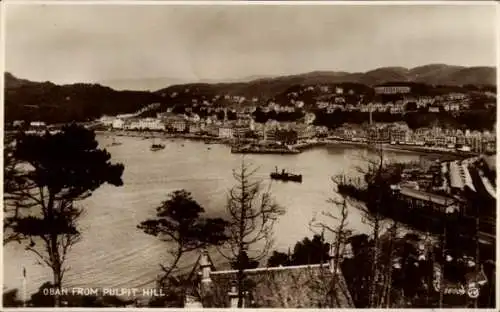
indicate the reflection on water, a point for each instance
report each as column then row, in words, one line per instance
column 113, row 253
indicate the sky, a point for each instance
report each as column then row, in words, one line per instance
column 92, row 43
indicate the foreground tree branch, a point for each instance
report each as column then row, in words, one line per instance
column 51, row 173
column 252, row 213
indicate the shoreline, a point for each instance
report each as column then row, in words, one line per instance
column 301, row 147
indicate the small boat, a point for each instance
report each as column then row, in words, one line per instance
column 115, row 143
column 156, row 147
column 286, row 176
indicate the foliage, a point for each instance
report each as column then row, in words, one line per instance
column 179, row 223
column 10, row 299
column 58, row 170
column 252, row 213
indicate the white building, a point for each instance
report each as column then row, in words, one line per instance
column 392, row 89
column 118, row 123
column 226, row 132
column 37, row 124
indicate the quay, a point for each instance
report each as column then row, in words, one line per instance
column 256, row 149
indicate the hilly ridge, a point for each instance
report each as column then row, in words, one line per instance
column 432, row 74
column 47, row 101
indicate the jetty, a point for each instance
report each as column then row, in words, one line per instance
column 263, row 149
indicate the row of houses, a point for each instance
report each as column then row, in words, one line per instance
column 397, row 107
column 400, row 134
column 270, row 131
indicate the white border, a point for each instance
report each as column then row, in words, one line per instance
column 5, row 3
column 257, row 2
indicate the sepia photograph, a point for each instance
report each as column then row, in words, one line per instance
column 249, row 155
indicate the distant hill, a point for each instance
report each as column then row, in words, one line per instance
column 141, row 84
column 27, row 100
column 30, row 100
column 152, row 84
column 434, row 74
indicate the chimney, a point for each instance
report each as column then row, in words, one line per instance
column 233, row 295
column 206, row 267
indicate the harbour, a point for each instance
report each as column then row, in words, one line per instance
column 101, row 256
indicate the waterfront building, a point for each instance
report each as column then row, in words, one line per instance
column 212, row 129
column 240, row 130
column 176, row 123
column 194, row 127
column 118, row 123
column 151, row 124
column 305, row 132
column 400, row 135
column 269, row 131
column 417, row 199
column 379, row 134
column 107, row 120
column 226, row 131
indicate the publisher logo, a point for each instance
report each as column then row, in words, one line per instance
column 473, row 292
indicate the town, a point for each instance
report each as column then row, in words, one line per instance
column 250, row 156
column 294, row 125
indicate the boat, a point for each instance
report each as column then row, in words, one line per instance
column 286, row 176
column 156, row 147
column 115, row 143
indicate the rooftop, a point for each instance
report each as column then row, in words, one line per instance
column 425, row 196
column 285, row 287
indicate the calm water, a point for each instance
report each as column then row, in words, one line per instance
column 113, row 253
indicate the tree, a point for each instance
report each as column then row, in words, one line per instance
column 376, row 201
column 278, row 259
column 178, row 223
column 411, row 106
column 62, row 169
column 340, row 233
column 252, row 213
column 10, row 299
column 12, row 183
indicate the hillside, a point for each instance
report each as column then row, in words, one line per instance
column 46, row 101
column 434, row 74
column 27, row 100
